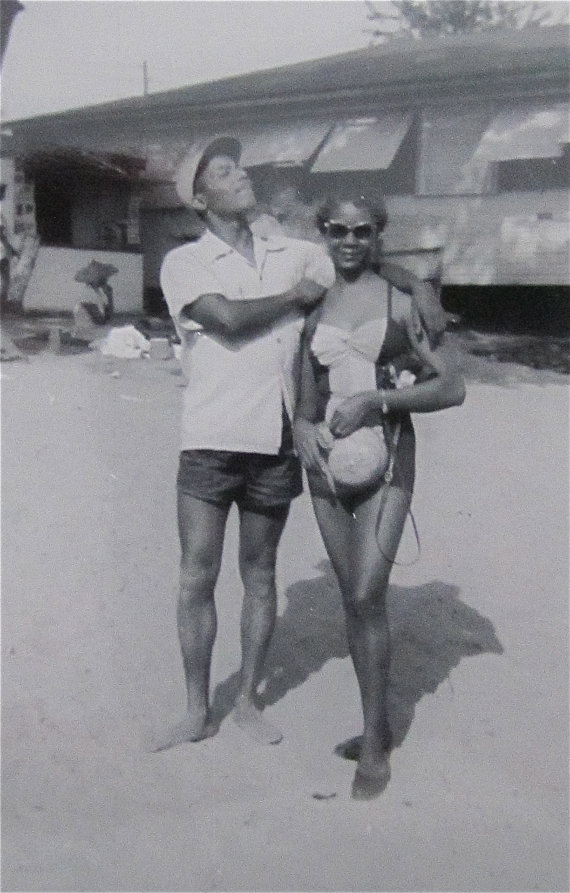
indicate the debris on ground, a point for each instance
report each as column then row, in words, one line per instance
column 535, row 351
column 125, row 342
column 8, row 350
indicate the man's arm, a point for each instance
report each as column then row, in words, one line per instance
column 306, row 432
column 431, row 312
column 237, row 319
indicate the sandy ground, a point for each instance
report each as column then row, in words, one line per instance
column 479, row 699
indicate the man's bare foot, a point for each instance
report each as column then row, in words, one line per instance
column 251, row 721
column 188, row 730
column 372, row 779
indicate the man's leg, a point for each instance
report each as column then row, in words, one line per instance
column 260, row 533
column 201, row 527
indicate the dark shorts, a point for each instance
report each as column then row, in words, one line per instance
column 254, row 481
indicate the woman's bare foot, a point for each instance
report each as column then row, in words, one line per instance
column 190, row 729
column 251, row 721
column 371, row 779
column 349, row 749
column 352, row 747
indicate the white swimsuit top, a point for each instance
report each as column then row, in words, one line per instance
column 350, row 357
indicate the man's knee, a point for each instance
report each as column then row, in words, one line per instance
column 198, row 577
column 257, row 568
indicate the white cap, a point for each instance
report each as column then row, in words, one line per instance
column 197, row 159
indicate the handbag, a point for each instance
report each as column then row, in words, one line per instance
column 360, row 460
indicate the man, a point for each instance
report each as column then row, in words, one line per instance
column 96, row 308
column 7, row 252
column 238, row 303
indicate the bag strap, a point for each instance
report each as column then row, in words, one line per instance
column 388, row 478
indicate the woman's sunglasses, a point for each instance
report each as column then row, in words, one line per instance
column 362, row 232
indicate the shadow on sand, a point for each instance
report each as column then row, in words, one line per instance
column 431, row 630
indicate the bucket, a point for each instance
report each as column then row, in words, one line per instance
column 161, row 349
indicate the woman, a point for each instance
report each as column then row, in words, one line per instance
column 364, row 347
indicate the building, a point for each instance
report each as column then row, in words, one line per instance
column 466, row 136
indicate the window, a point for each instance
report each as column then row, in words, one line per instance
column 528, row 147
column 282, row 144
column 377, row 153
column 478, row 151
column 363, row 144
column 528, row 174
column 448, row 140
column 528, row 131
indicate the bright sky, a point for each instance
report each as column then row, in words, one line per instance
column 69, row 53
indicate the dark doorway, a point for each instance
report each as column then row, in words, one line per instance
column 512, row 309
column 53, row 214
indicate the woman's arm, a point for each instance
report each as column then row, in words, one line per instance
column 444, row 388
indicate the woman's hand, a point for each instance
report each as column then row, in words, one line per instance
column 354, row 413
column 310, row 446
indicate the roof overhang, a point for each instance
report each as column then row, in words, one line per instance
column 501, row 63
column 50, row 162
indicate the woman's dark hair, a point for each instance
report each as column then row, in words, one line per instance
column 375, row 207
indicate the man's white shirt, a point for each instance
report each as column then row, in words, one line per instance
column 236, row 389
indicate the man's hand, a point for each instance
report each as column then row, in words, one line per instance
column 431, row 312
column 308, row 293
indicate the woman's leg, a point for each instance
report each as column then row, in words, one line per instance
column 362, row 548
column 335, row 524
column 377, row 531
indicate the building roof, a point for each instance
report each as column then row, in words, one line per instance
column 498, row 62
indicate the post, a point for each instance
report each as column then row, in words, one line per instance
column 145, row 78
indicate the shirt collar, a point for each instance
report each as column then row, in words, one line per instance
column 212, row 248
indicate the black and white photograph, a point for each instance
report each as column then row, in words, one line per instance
column 285, row 331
